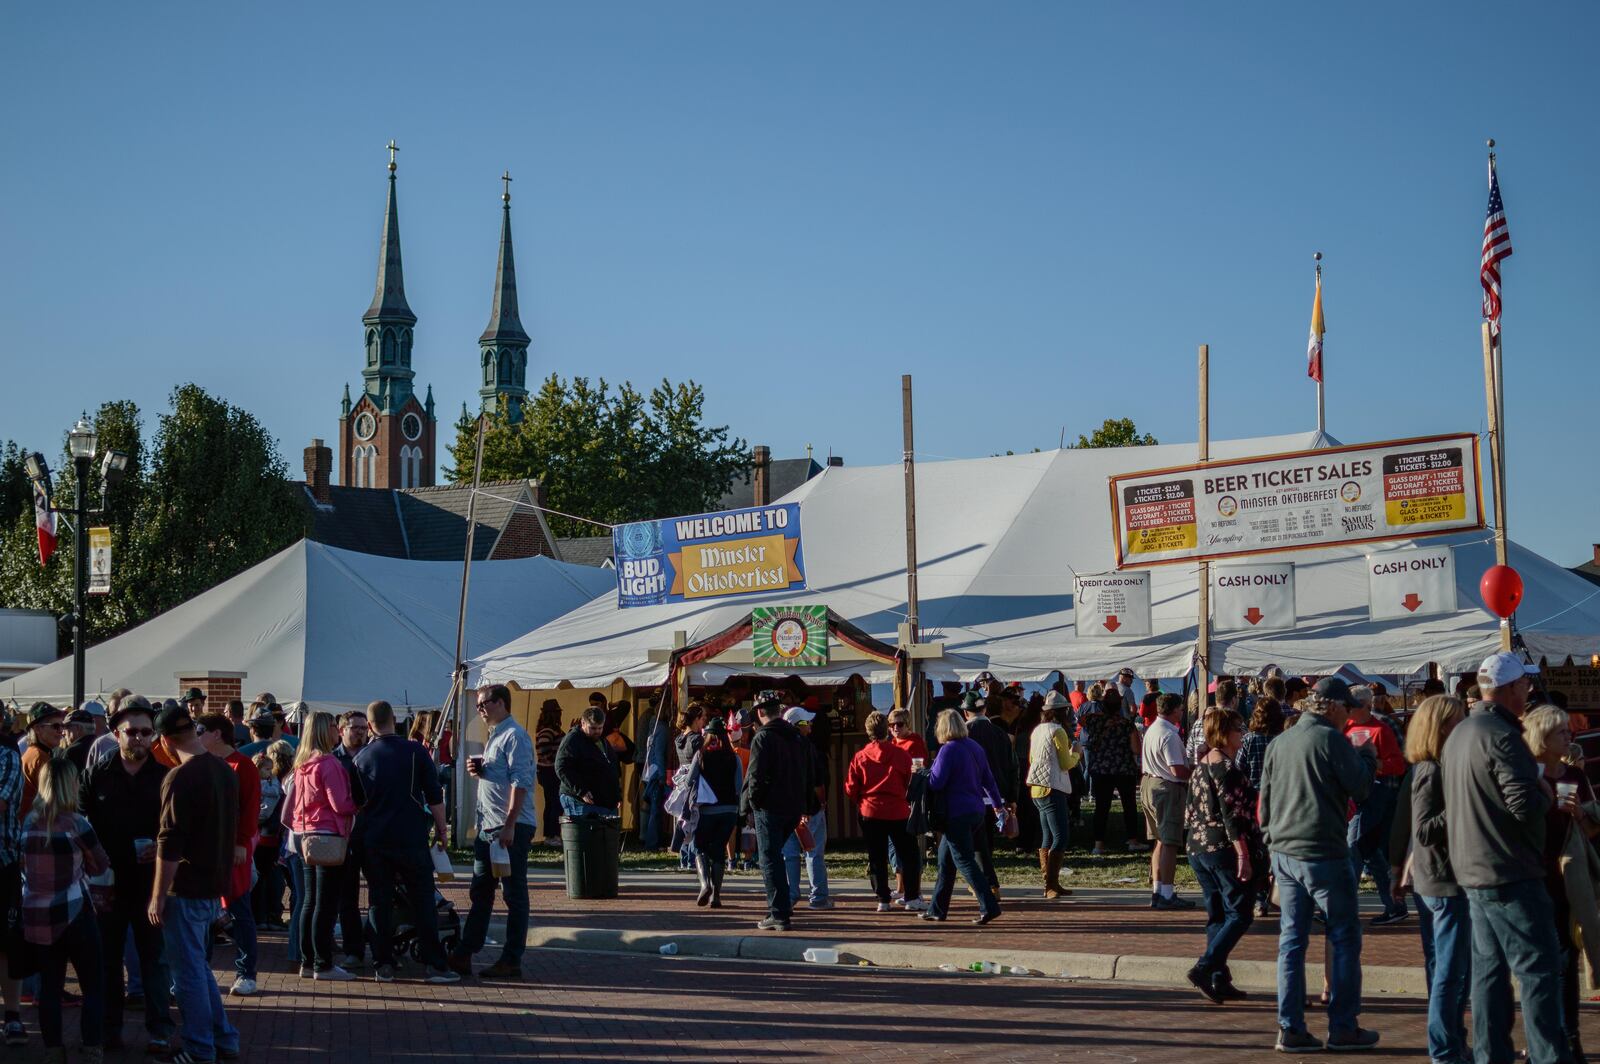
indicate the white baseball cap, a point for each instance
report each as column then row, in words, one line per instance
column 798, row 715
column 1500, row 669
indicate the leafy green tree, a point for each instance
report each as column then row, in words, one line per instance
column 1116, row 432
column 208, row 500
column 609, row 455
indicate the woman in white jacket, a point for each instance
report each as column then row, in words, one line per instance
column 1051, row 755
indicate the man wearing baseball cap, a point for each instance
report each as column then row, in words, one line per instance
column 777, row 790
column 1496, row 802
column 816, row 820
column 1309, row 779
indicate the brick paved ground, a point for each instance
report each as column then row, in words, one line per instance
column 1100, row 921
column 613, row 1008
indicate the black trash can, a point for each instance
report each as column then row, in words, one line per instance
column 592, row 846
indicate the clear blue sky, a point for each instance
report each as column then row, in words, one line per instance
column 1039, row 209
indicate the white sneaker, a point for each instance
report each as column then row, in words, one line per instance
column 349, row 960
column 335, row 974
column 822, row 903
column 243, row 987
column 916, row 905
column 885, row 907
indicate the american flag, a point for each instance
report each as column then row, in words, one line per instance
column 1496, row 246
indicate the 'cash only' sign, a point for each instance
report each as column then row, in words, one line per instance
column 736, row 552
column 1405, row 489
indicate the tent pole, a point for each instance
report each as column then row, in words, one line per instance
column 1202, row 645
column 458, row 689
column 913, row 673
column 1492, row 385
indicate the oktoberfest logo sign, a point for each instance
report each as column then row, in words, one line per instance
column 684, row 559
column 789, row 636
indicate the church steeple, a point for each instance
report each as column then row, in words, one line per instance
column 503, row 347
column 389, row 320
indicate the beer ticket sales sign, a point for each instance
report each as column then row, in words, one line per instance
column 736, row 552
column 1367, row 493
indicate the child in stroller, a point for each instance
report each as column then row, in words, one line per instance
column 405, row 931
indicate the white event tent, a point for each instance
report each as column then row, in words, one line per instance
column 998, row 542
column 334, row 628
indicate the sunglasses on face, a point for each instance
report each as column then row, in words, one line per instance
column 138, row 733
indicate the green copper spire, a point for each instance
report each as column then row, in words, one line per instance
column 503, row 347
column 387, row 374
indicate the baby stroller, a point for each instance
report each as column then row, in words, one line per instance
column 405, row 931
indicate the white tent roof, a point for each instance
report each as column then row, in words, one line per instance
column 998, row 541
column 331, row 627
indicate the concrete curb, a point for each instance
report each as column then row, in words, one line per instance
column 1092, row 967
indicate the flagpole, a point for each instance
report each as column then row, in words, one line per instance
column 1494, row 381
column 1322, row 411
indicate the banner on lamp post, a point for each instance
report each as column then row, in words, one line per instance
column 99, row 561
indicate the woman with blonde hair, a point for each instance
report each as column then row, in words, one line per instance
column 1570, row 821
column 321, row 805
column 59, row 849
column 1442, row 913
column 964, row 788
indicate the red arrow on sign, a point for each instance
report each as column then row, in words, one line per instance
column 1253, row 615
column 1111, row 622
column 1411, row 602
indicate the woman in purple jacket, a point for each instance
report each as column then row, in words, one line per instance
column 962, row 784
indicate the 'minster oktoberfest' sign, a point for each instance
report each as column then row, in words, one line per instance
column 682, row 559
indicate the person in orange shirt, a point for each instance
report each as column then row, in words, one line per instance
column 44, row 735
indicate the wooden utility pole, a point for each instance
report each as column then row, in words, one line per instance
column 913, row 674
column 1202, row 645
column 457, row 711
column 1497, row 456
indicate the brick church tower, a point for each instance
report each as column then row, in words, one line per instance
column 503, row 347
column 387, row 437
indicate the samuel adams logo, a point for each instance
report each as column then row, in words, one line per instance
column 1358, row 523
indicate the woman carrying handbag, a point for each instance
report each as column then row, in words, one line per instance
column 321, row 816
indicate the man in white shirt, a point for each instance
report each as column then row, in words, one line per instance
column 1163, row 792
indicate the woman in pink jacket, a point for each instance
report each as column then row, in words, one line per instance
column 322, row 805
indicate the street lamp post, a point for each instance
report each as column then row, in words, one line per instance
column 81, row 442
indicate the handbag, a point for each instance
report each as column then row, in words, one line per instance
column 324, row 851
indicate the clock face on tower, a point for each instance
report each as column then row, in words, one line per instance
column 411, row 425
column 366, row 425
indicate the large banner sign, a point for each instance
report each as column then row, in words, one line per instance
column 1403, row 489
column 737, row 552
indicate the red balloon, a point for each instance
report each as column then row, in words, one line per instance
column 1501, row 588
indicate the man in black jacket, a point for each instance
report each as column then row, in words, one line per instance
column 1002, row 756
column 587, row 768
column 122, row 799
column 777, row 788
column 353, row 734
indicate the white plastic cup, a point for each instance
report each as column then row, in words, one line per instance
column 821, row 956
column 141, row 847
column 1566, row 790
column 669, row 950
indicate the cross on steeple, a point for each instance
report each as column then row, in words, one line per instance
column 505, row 196
column 392, row 150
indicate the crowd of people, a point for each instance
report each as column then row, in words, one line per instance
column 1280, row 792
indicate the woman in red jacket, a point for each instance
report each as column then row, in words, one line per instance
column 877, row 782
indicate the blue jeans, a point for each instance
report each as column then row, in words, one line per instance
column 571, row 806
column 130, row 960
column 514, row 888
column 650, row 801
column 958, row 852
column 1230, row 906
column 1055, row 822
column 1513, row 933
column 243, row 934
column 1368, row 836
column 816, row 866
column 1329, row 886
column 294, row 864
column 80, row 944
column 1447, row 953
column 186, row 926
column 772, row 833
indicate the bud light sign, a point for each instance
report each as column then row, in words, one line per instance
column 736, row 552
